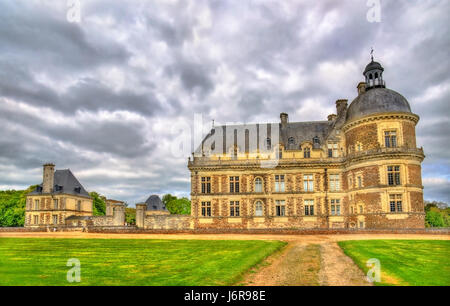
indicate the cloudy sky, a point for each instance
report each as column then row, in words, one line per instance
column 102, row 96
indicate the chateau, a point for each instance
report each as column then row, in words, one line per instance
column 361, row 168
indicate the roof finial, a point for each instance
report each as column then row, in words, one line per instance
column 371, row 53
column 213, row 123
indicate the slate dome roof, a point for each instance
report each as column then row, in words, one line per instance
column 376, row 101
column 373, row 65
column 155, row 203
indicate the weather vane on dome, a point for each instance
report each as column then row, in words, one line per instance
column 371, row 53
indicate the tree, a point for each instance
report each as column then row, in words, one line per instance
column 179, row 206
column 99, row 204
column 130, row 215
column 12, row 206
column 434, row 219
column 167, row 198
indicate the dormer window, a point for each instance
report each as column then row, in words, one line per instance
column 316, row 140
column 291, row 140
column 77, row 189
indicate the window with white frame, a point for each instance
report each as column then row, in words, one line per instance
column 390, row 139
column 55, row 204
column 395, row 203
column 335, row 182
column 258, row 208
column 393, row 175
column 308, row 182
column 206, row 184
column 36, row 204
column 35, row 219
column 335, row 207
column 280, row 208
column 206, row 209
column 333, row 150
column 258, row 185
column 55, row 219
column 279, row 183
column 309, row 207
column 234, row 208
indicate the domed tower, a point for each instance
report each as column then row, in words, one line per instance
column 383, row 172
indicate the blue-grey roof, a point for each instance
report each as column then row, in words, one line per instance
column 64, row 183
column 155, row 203
column 376, row 101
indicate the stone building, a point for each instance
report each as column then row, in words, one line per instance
column 58, row 197
column 361, row 168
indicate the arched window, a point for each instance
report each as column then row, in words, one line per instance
column 258, row 208
column 258, row 185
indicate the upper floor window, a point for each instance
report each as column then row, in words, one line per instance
column 390, row 139
column 78, row 205
column 333, row 150
column 268, row 144
column 55, row 204
column 308, row 182
column 335, row 182
column 393, row 175
column 206, row 209
column 335, row 207
column 280, row 206
column 258, row 208
column 359, row 178
column 206, row 184
column 234, row 208
column 307, row 152
column 395, row 203
column 309, row 207
column 359, row 147
column 279, row 183
column 234, row 184
column 258, row 185
column 36, row 204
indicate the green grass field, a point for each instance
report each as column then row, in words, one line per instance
column 404, row 262
column 42, row 261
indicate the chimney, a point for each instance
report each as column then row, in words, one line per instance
column 341, row 106
column 284, row 119
column 332, row 117
column 361, row 88
column 48, row 178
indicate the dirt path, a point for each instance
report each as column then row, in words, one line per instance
column 298, row 264
column 337, row 269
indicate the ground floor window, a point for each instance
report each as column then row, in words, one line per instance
column 55, row 219
column 335, row 207
column 361, row 224
column 309, row 207
column 258, row 208
column 206, row 209
column 280, row 208
column 36, row 219
column 234, row 208
column 395, row 202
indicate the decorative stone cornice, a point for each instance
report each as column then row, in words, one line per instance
column 381, row 116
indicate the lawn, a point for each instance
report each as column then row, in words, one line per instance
column 42, row 261
column 404, row 262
